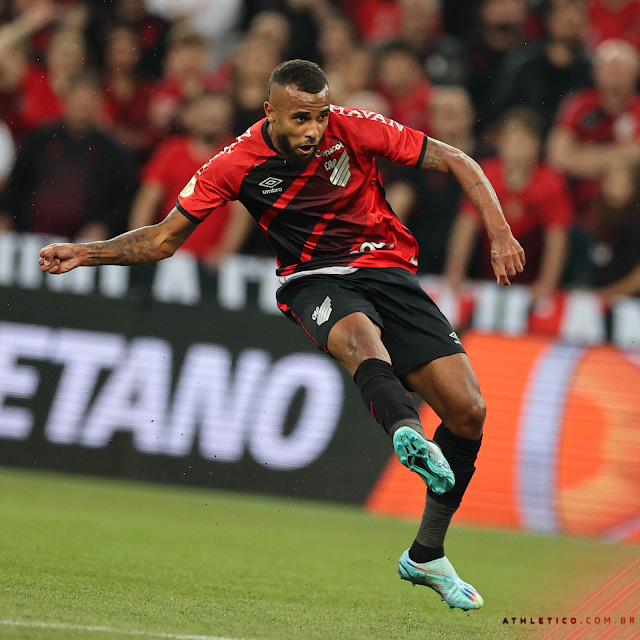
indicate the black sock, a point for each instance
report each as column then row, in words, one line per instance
column 461, row 454
column 383, row 394
column 420, row 553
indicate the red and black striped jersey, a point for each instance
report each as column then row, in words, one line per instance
column 330, row 217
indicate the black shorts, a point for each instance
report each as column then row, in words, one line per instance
column 414, row 331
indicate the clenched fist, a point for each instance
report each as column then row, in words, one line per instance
column 60, row 258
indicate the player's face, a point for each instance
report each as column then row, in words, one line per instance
column 297, row 122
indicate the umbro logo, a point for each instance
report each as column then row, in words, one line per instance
column 270, row 185
column 454, row 335
column 322, row 313
column 341, row 173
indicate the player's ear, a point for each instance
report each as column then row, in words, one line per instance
column 269, row 111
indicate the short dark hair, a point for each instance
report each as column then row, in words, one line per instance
column 306, row 76
column 525, row 117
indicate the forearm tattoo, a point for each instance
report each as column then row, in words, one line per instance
column 134, row 247
column 473, row 186
column 433, row 156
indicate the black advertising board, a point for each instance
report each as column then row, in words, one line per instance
column 199, row 395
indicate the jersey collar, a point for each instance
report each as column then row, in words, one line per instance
column 267, row 137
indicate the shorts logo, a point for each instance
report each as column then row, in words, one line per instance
column 341, row 173
column 454, row 335
column 322, row 313
column 270, row 185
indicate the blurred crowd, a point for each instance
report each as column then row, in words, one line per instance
column 107, row 108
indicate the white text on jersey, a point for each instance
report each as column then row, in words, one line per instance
column 367, row 115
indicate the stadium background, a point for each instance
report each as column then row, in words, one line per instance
column 185, row 373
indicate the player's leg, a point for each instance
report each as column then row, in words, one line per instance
column 356, row 342
column 336, row 314
column 450, row 387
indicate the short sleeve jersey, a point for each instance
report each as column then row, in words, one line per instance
column 332, row 216
column 543, row 203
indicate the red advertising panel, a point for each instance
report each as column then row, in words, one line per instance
column 561, row 446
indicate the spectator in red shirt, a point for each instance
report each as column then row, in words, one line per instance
column 207, row 120
column 126, row 94
column 34, row 94
column 614, row 19
column 536, row 204
column 44, row 89
column 376, row 20
column 403, row 85
column 597, row 126
column 185, row 77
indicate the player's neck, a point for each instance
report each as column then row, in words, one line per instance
column 272, row 136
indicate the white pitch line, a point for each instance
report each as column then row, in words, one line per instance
column 129, row 632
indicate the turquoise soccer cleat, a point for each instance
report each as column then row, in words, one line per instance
column 425, row 458
column 440, row 576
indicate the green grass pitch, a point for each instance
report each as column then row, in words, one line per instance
column 170, row 560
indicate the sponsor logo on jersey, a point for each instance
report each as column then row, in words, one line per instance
column 189, row 187
column 341, row 173
column 322, row 313
column 331, row 150
column 454, row 335
column 270, row 185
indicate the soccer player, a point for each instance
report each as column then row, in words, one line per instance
column 307, row 174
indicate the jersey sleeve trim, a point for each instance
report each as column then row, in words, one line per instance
column 423, row 152
column 185, row 213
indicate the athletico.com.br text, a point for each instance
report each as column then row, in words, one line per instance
column 569, row 621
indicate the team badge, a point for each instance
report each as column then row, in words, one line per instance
column 341, row 173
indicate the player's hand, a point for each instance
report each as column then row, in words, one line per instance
column 507, row 259
column 60, row 258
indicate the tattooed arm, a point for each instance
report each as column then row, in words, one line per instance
column 507, row 256
column 140, row 246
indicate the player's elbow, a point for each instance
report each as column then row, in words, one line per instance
column 460, row 164
column 166, row 248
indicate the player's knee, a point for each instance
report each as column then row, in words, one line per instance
column 477, row 414
column 355, row 339
column 469, row 419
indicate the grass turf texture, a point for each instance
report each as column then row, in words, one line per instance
column 188, row 561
